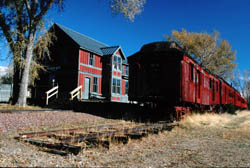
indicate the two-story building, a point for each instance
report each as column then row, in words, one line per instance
column 77, row 60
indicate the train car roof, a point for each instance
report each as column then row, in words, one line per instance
column 166, row 46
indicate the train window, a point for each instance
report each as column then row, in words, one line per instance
column 225, row 93
column 191, row 74
column 210, row 83
column 199, row 84
column 231, row 93
column 217, row 86
column 213, row 90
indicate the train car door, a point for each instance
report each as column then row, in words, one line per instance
column 197, row 86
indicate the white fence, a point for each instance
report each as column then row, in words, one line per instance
column 5, row 92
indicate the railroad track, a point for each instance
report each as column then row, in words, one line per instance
column 68, row 141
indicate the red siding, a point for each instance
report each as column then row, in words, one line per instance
column 81, row 81
column 118, row 53
column 123, row 69
column 84, row 57
column 100, row 85
column 118, row 74
column 115, row 98
column 98, row 61
column 123, row 87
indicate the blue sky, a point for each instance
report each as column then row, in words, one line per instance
column 159, row 17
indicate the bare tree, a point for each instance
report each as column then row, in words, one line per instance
column 241, row 81
column 129, row 8
column 211, row 52
column 21, row 23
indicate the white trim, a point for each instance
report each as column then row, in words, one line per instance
column 90, row 66
column 92, row 74
column 120, row 48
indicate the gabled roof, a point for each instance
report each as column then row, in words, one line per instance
column 83, row 41
column 109, row 50
column 112, row 50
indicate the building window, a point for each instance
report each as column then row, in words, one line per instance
column 91, row 59
column 126, row 87
column 115, row 62
column 126, row 70
column 116, row 86
column 119, row 63
column 95, row 84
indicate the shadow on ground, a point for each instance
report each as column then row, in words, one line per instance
column 124, row 111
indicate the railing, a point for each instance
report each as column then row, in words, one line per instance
column 76, row 92
column 50, row 93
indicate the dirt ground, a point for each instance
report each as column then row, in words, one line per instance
column 206, row 140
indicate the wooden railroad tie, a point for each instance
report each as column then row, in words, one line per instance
column 66, row 140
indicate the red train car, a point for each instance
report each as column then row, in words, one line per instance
column 164, row 75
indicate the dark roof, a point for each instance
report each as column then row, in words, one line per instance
column 83, row 41
column 109, row 50
column 160, row 46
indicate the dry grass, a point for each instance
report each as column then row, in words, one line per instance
column 209, row 140
column 213, row 120
column 4, row 106
column 232, row 127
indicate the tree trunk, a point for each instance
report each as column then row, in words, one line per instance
column 22, row 97
column 16, row 83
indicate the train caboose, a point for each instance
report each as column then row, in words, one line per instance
column 163, row 75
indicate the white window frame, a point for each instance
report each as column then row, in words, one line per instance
column 116, row 86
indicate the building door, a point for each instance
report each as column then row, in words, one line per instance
column 86, row 88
